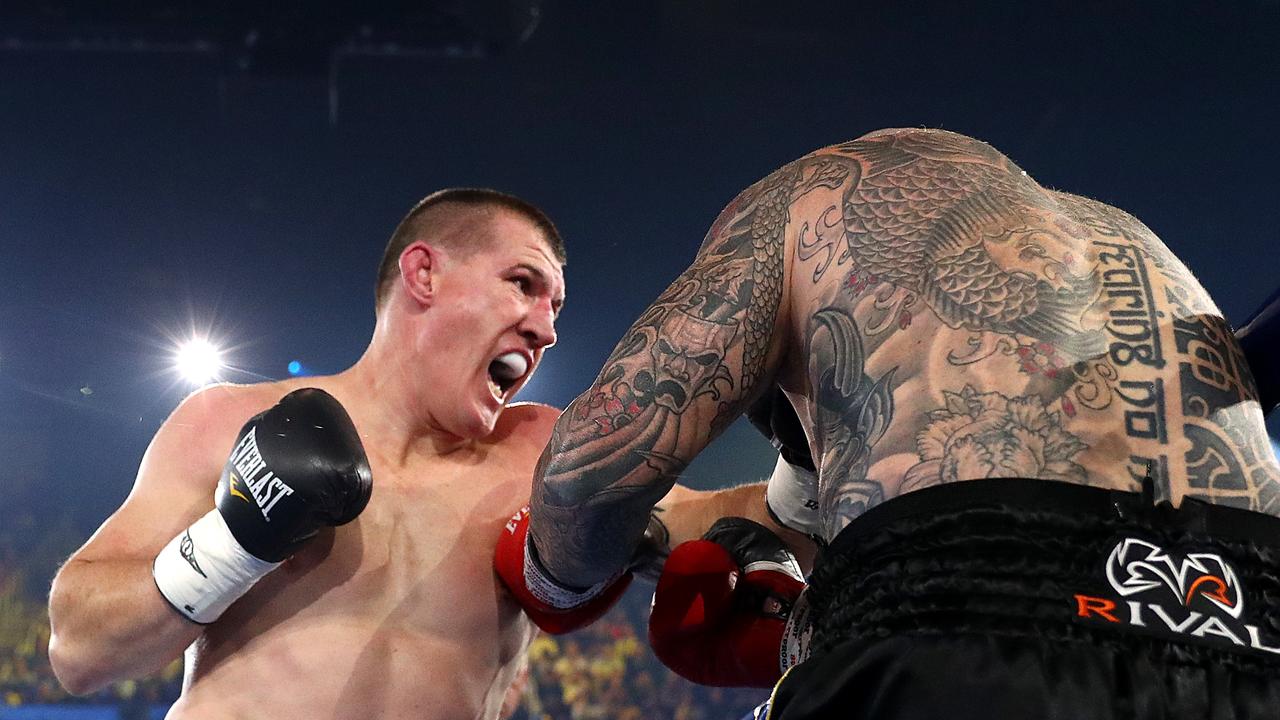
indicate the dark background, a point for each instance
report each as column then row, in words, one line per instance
column 167, row 176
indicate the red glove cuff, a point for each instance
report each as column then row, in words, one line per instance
column 554, row 608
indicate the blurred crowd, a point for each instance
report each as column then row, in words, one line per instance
column 29, row 552
column 607, row 671
column 604, row 671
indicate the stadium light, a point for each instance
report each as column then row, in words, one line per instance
column 199, row 361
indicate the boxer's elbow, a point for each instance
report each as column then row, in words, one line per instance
column 80, row 663
column 75, row 667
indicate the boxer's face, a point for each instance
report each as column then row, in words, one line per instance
column 500, row 300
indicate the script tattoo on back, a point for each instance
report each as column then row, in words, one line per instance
column 1077, row 326
column 1208, row 434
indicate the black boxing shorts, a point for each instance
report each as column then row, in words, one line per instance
column 1010, row 599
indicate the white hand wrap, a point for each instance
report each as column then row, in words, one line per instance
column 792, row 496
column 203, row 570
column 794, row 648
column 545, row 588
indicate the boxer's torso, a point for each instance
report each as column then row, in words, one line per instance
column 959, row 321
column 395, row 615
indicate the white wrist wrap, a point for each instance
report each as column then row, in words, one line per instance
column 791, row 567
column 799, row 631
column 792, row 495
column 543, row 587
column 203, row 570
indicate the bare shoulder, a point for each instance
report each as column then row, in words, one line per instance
column 527, row 424
column 179, row 471
column 202, row 429
column 886, row 134
column 931, row 142
column 922, row 170
column 1102, row 218
column 213, row 414
column 212, row 402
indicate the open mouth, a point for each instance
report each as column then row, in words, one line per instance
column 505, row 371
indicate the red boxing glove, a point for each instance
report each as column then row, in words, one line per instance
column 551, row 606
column 722, row 607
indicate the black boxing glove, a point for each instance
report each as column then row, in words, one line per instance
column 655, row 545
column 775, row 418
column 296, row 468
column 791, row 496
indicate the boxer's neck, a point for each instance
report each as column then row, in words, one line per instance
column 392, row 415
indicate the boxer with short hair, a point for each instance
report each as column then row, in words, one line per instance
column 1040, row 473
column 330, row 558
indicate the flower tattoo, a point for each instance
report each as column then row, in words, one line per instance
column 980, row 435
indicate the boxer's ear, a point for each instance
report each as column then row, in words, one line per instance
column 419, row 265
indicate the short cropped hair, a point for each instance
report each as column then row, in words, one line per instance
column 423, row 220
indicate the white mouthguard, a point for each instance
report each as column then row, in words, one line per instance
column 510, row 366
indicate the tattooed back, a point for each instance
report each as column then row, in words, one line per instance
column 935, row 316
column 946, row 318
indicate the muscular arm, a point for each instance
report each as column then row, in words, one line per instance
column 109, row 625
column 108, row 620
column 688, row 514
column 685, row 369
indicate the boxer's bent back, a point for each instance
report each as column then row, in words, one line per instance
column 939, row 320
column 959, row 321
column 967, row 336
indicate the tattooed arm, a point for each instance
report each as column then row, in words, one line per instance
column 685, row 369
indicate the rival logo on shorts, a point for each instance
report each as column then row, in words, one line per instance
column 1193, row 595
column 1136, row 566
column 263, row 485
